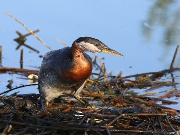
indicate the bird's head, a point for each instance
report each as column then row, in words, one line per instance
column 90, row 44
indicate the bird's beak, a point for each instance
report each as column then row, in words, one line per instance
column 111, row 51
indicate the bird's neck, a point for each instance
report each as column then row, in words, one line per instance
column 82, row 67
column 76, row 51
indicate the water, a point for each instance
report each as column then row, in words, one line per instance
column 145, row 32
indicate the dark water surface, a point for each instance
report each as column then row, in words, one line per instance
column 146, row 32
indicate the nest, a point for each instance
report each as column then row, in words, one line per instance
column 115, row 109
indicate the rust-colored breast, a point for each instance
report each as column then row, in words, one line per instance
column 82, row 67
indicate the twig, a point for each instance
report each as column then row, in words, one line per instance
column 0, row 55
column 102, row 69
column 21, row 41
column 97, row 132
column 18, row 70
column 139, row 125
column 21, row 58
column 168, row 94
column 145, row 114
column 170, row 124
column 138, row 131
column 59, row 127
column 4, row 92
column 28, row 34
column 114, row 120
column 31, row 48
column 160, row 72
column 27, row 29
column 98, row 59
column 108, row 130
column 174, row 57
column 160, row 123
column 82, row 120
column 23, row 131
column 62, row 42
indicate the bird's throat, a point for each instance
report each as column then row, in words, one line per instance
column 82, row 68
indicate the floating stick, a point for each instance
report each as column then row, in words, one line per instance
column 174, row 57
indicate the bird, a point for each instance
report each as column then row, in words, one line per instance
column 66, row 70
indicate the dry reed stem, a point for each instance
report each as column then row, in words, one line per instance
column 27, row 29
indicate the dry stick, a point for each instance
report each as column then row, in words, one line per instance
column 103, row 69
column 62, row 42
column 8, row 126
column 59, row 127
column 172, row 64
column 145, row 114
column 26, row 29
column 168, row 94
column 4, row 92
column 31, row 48
column 22, row 132
column 159, row 119
column 162, row 72
column 22, row 43
column 28, row 34
column 98, row 132
column 138, row 131
column 81, row 121
column 21, row 58
column 18, row 70
column 174, row 57
column 141, row 114
column 114, row 120
column 98, row 59
column 167, row 119
column 25, row 35
column 139, row 125
column 0, row 55
column 109, row 133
